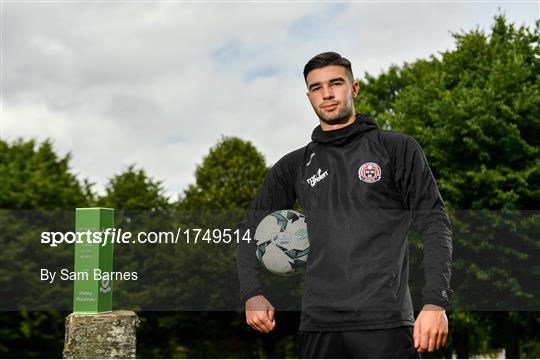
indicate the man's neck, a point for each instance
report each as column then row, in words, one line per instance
column 328, row 127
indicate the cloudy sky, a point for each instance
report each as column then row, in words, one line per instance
column 156, row 84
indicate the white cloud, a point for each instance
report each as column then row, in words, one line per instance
column 157, row 84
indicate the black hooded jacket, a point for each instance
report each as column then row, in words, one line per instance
column 361, row 189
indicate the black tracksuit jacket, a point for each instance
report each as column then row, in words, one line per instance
column 361, row 189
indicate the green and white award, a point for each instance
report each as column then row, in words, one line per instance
column 93, row 293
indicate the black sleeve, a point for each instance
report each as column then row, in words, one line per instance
column 276, row 193
column 430, row 218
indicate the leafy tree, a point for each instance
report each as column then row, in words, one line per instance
column 134, row 190
column 204, row 275
column 37, row 192
column 475, row 112
column 225, row 184
column 228, row 178
column 34, row 178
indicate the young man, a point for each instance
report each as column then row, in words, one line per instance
column 366, row 187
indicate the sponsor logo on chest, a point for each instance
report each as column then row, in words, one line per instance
column 320, row 175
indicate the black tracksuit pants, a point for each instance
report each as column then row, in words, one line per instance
column 381, row 343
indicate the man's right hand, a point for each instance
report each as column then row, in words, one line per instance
column 260, row 314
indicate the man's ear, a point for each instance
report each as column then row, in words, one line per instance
column 355, row 87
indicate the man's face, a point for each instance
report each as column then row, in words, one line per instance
column 331, row 93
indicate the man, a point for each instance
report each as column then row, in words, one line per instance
column 366, row 187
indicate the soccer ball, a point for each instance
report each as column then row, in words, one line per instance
column 282, row 242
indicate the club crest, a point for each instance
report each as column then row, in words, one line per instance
column 369, row 172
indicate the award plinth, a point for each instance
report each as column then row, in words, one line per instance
column 92, row 292
column 101, row 336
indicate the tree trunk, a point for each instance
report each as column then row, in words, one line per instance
column 462, row 344
column 511, row 338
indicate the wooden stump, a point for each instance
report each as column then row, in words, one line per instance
column 105, row 335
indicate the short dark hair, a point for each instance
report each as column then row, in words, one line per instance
column 327, row 59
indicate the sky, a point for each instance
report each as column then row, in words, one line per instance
column 158, row 83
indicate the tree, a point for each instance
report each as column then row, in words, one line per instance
column 225, row 184
column 475, row 112
column 134, row 190
column 37, row 192
column 34, row 178
column 228, row 178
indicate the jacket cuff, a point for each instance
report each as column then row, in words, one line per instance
column 251, row 294
column 443, row 300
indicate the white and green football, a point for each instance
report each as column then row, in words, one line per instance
column 282, row 242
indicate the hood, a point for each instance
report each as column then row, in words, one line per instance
column 362, row 124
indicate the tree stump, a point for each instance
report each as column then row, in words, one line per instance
column 104, row 335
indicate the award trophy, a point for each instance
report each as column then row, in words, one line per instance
column 91, row 295
column 93, row 330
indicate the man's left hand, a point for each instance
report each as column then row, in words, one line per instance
column 430, row 328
